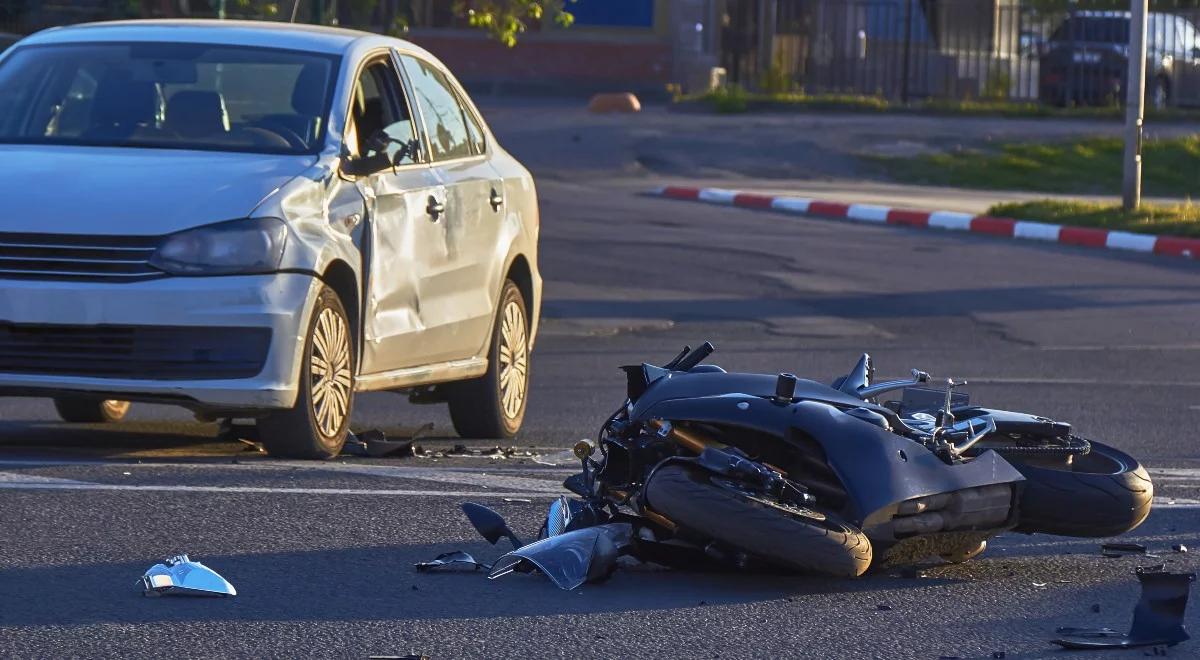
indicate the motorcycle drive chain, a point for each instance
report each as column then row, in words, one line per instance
column 1075, row 446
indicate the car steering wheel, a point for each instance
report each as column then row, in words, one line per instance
column 293, row 139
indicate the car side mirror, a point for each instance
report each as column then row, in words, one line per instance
column 364, row 165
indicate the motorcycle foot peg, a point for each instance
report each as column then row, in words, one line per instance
column 785, row 388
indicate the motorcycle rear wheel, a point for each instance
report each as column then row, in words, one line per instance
column 1103, row 493
column 801, row 539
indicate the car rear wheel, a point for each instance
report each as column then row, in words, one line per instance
column 82, row 410
column 316, row 426
column 493, row 406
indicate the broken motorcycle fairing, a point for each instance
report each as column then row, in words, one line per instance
column 571, row 558
column 713, row 469
column 180, row 576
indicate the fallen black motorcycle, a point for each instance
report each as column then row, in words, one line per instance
column 703, row 467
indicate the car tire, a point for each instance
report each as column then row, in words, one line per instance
column 824, row 544
column 82, row 410
column 316, row 426
column 493, row 406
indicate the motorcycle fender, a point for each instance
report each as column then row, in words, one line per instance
column 1017, row 422
column 878, row 468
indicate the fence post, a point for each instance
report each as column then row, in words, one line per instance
column 908, row 19
column 1135, row 83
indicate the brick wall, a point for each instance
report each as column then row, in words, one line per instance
column 594, row 63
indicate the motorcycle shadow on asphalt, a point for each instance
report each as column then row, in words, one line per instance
column 380, row 583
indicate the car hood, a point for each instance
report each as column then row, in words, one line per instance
column 131, row 191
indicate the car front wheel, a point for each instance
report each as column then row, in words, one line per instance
column 493, row 406
column 316, row 426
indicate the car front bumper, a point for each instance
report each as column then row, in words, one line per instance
column 86, row 313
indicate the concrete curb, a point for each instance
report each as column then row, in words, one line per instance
column 949, row 220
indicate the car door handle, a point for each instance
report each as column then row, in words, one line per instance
column 496, row 200
column 435, row 208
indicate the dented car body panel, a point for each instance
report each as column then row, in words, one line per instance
column 423, row 290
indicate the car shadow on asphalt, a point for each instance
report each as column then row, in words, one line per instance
column 380, row 583
column 102, row 440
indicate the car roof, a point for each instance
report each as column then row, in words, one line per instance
column 269, row 34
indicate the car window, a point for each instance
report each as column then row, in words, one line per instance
column 378, row 105
column 444, row 117
column 475, row 131
column 184, row 96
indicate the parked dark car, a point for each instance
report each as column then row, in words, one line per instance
column 1086, row 60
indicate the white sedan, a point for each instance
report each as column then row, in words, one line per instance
column 258, row 220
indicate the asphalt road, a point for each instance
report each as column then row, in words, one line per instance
column 322, row 554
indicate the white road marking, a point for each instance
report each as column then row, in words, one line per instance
column 26, row 479
column 167, row 488
column 1036, row 230
column 867, row 212
column 951, row 220
column 791, row 204
column 717, row 195
column 1121, row 240
column 1082, row 381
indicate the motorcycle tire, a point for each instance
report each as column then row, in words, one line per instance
column 1099, row 494
column 821, row 543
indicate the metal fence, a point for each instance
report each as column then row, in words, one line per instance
column 1059, row 53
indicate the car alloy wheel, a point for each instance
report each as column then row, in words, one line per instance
column 493, row 405
column 514, row 360
column 317, row 423
column 329, row 372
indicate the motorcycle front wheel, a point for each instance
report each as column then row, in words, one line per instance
column 793, row 537
column 1104, row 492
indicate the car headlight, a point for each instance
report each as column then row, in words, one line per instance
column 237, row 247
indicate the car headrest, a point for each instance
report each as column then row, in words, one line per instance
column 122, row 101
column 308, row 96
column 196, row 114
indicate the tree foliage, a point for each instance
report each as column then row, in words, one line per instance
column 506, row 19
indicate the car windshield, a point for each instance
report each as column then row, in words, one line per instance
column 1093, row 29
column 171, row 96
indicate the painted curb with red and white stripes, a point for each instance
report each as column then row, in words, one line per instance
column 949, row 220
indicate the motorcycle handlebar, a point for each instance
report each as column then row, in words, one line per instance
column 695, row 357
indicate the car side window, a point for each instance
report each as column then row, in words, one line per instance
column 445, row 119
column 376, row 105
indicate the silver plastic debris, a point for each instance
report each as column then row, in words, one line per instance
column 180, row 576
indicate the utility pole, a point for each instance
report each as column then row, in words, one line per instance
column 1131, row 187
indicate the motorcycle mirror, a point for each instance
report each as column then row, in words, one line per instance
column 490, row 524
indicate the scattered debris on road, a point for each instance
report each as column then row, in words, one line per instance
column 180, row 576
column 375, row 444
column 1157, row 617
column 447, row 560
column 1180, row 548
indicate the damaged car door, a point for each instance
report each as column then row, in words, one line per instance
column 402, row 195
column 459, row 290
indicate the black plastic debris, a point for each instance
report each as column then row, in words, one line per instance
column 451, row 560
column 375, row 444
column 1122, row 549
column 490, row 524
column 1157, row 617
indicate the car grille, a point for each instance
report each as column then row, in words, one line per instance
column 74, row 257
column 134, row 352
